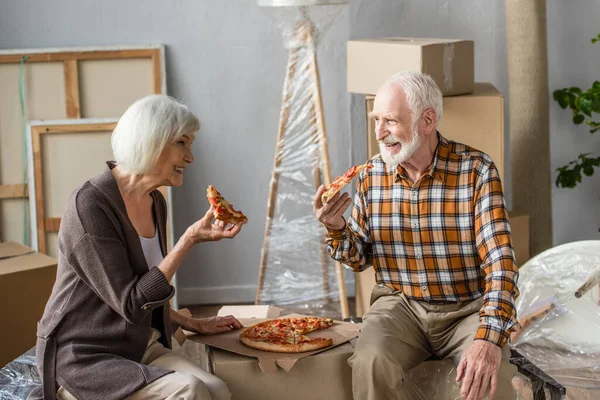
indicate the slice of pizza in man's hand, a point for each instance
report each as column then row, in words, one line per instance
column 223, row 210
column 341, row 181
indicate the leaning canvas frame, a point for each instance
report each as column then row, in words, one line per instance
column 41, row 223
column 74, row 91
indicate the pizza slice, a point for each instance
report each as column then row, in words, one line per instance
column 224, row 210
column 341, row 181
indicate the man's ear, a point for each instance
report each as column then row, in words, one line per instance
column 428, row 121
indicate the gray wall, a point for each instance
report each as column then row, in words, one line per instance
column 225, row 59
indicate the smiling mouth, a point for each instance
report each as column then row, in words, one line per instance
column 178, row 169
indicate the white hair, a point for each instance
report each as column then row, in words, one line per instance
column 145, row 129
column 421, row 92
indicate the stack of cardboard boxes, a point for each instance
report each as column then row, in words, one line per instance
column 473, row 113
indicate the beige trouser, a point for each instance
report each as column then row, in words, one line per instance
column 188, row 382
column 399, row 333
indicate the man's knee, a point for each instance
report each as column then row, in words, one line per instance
column 371, row 357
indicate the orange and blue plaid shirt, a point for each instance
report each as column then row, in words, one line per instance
column 445, row 237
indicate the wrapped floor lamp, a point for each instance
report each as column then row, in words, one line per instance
column 295, row 268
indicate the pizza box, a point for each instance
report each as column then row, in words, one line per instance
column 340, row 332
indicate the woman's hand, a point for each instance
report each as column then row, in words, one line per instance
column 214, row 325
column 205, row 230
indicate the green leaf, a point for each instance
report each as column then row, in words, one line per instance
column 563, row 100
column 594, row 40
column 588, row 171
column 596, row 85
column 576, row 90
column 584, row 104
column 578, row 119
column 556, row 94
column 596, row 104
column 594, row 130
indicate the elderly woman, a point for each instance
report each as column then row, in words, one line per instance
column 106, row 330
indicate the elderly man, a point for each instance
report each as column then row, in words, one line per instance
column 430, row 218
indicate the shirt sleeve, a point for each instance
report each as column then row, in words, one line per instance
column 351, row 245
column 498, row 317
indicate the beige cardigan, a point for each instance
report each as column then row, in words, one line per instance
column 96, row 324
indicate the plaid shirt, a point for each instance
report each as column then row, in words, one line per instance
column 445, row 237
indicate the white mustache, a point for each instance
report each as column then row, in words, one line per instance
column 389, row 140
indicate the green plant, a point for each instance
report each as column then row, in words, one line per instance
column 583, row 105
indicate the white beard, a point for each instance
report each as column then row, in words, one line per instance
column 406, row 151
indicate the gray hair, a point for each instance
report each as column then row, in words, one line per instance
column 145, row 129
column 421, row 92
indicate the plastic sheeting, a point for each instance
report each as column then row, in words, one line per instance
column 563, row 338
column 298, row 272
column 19, row 377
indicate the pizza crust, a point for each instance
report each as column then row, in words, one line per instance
column 287, row 348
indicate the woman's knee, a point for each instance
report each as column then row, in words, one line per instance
column 219, row 390
column 195, row 389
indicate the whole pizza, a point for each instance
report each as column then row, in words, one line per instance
column 287, row 335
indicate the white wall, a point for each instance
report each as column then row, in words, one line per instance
column 225, row 59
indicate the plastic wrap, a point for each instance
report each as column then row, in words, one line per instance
column 561, row 322
column 19, row 377
column 296, row 270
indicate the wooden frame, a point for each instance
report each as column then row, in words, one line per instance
column 40, row 224
column 71, row 58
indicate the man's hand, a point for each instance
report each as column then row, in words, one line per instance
column 213, row 325
column 205, row 230
column 331, row 213
column 479, row 367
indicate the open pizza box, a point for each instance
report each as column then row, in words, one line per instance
column 340, row 332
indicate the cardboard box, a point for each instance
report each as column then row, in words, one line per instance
column 26, row 280
column 476, row 120
column 255, row 374
column 519, row 224
column 450, row 62
column 326, row 373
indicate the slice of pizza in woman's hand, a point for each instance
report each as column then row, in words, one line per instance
column 341, row 181
column 287, row 335
column 224, row 211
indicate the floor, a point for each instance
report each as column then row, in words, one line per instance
column 522, row 386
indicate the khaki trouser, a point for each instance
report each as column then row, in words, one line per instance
column 399, row 333
column 188, row 382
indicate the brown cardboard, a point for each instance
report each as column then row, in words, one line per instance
column 340, row 332
column 251, row 311
column 26, row 280
column 476, row 120
column 450, row 62
column 519, row 224
column 325, row 375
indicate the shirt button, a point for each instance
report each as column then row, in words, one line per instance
column 415, row 225
column 144, row 307
column 419, row 256
column 424, row 288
